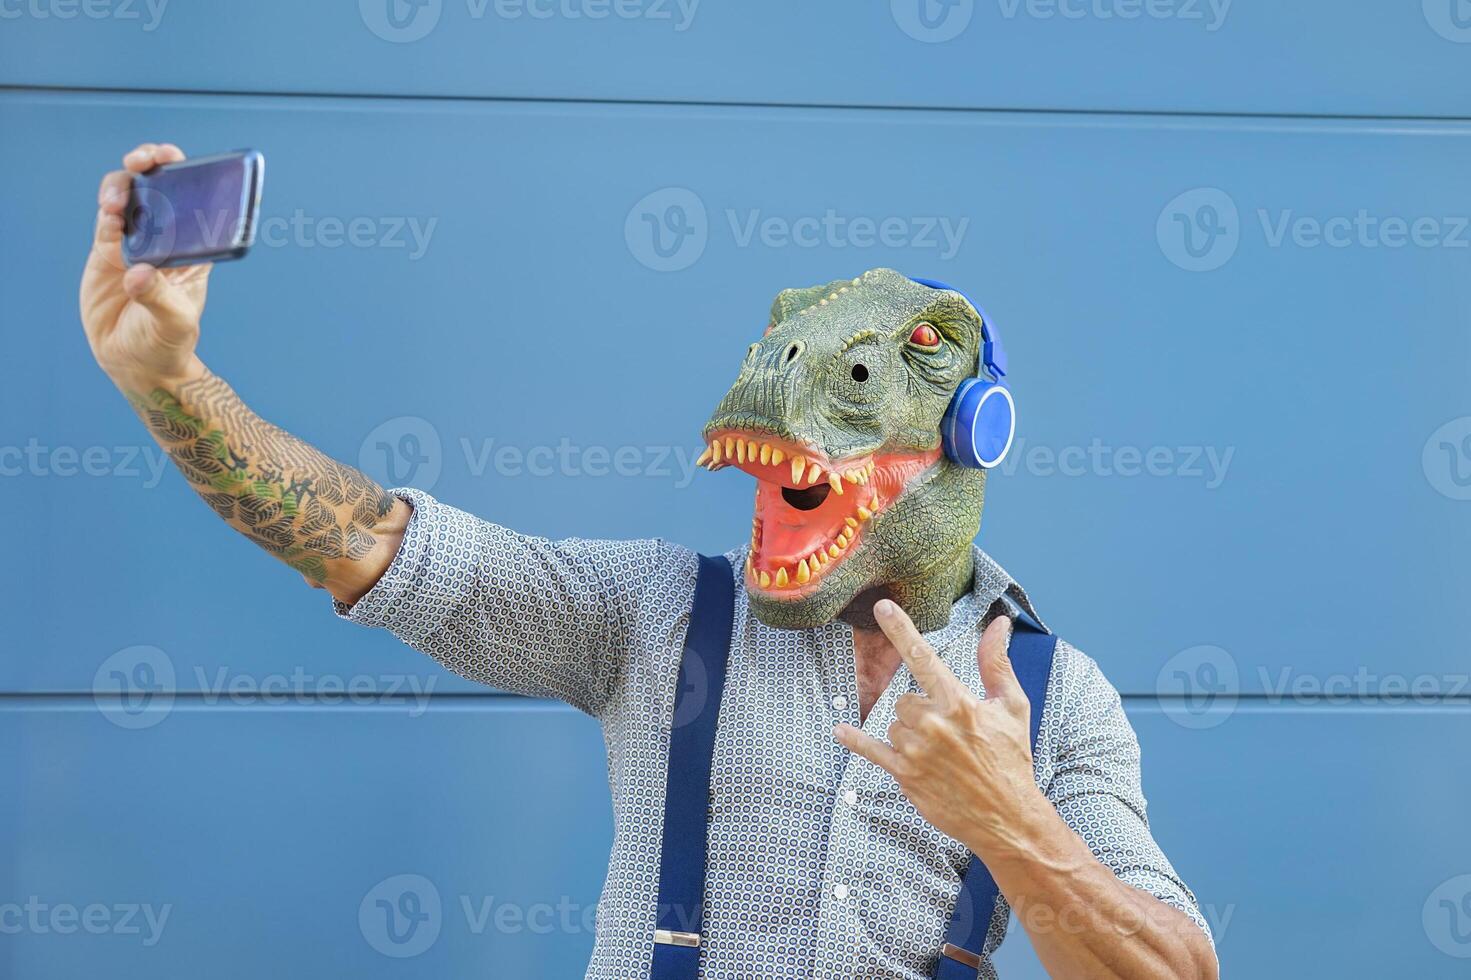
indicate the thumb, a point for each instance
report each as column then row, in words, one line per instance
column 995, row 663
column 171, row 308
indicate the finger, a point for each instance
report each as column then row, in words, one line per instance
column 937, row 680
column 143, row 158
column 861, row 743
column 164, row 299
column 105, row 261
column 911, row 709
column 994, row 659
column 112, row 193
column 187, row 273
column 140, row 158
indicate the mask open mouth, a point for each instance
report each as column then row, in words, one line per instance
column 812, row 512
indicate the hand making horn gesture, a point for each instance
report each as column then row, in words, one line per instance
column 965, row 763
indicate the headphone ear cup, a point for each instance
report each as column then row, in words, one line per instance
column 979, row 424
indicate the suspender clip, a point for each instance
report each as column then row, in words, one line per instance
column 960, row 955
column 669, row 937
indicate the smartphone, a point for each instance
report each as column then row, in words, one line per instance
column 193, row 211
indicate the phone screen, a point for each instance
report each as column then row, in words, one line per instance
column 194, row 211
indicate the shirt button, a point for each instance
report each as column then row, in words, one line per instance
column 840, row 891
column 850, row 797
column 840, row 702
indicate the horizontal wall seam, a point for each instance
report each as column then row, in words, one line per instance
column 736, row 104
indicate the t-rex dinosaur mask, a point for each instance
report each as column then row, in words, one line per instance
column 836, row 413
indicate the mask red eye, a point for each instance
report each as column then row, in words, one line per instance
column 925, row 335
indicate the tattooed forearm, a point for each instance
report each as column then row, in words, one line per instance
column 275, row 489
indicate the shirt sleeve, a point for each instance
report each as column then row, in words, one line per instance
column 1096, row 784
column 525, row 614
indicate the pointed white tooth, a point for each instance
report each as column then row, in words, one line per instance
column 864, row 513
column 730, row 447
column 798, row 464
column 781, row 577
column 704, row 457
column 851, row 522
column 715, row 453
column 845, row 538
column 777, row 456
column 814, row 474
column 832, row 551
column 804, row 574
column 852, row 476
column 836, row 482
column 743, row 451
column 764, row 579
column 765, row 454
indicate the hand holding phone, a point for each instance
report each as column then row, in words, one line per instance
column 143, row 322
column 194, row 211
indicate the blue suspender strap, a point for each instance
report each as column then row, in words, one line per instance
column 687, row 788
column 965, row 937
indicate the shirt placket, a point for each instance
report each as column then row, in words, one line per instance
column 844, row 894
column 838, row 922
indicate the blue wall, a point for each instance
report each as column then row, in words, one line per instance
column 1229, row 248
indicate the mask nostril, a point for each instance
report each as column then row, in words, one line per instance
column 792, row 352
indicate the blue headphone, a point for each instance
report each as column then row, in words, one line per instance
column 980, row 421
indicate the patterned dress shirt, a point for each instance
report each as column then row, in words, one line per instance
column 817, row 864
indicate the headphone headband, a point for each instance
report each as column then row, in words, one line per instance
column 992, row 355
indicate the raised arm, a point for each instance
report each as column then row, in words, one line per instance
column 328, row 521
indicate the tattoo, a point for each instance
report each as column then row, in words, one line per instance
column 275, row 489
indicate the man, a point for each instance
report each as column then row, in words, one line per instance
column 855, row 770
